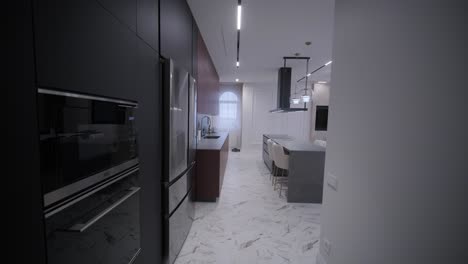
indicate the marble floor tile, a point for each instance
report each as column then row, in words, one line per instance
column 250, row 223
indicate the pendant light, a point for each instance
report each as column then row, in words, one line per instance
column 294, row 99
column 305, row 97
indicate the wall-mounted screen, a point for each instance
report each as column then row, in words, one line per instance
column 321, row 118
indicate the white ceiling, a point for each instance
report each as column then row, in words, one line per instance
column 271, row 29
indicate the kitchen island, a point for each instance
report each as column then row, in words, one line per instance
column 306, row 168
column 212, row 155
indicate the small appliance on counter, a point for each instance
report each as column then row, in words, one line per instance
column 89, row 174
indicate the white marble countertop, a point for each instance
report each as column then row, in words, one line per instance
column 278, row 136
column 298, row 145
column 212, row 143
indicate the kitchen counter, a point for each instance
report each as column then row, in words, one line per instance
column 306, row 168
column 298, row 145
column 212, row 155
column 278, row 136
column 212, row 143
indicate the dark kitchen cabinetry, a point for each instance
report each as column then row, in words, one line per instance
column 148, row 22
column 24, row 224
column 149, row 137
column 176, row 32
column 195, row 33
column 265, row 153
column 211, row 165
column 208, row 81
column 124, row 10
column 82, row 46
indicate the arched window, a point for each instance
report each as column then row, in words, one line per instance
column 228, row 105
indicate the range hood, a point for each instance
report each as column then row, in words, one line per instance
column 284, row 92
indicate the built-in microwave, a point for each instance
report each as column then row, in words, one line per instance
column 84, row 140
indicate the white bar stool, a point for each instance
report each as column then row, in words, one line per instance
column 282, row 162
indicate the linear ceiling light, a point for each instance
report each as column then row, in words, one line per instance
column 237, row 80
column 239, row 16
column 312, row 72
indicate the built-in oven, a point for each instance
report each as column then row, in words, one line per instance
column 101, row 228
column 89, row 174
column 84, row 140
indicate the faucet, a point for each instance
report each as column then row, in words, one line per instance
column 209, row 124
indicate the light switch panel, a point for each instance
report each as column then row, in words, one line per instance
column 332, row 181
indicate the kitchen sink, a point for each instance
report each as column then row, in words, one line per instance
column 211, row 136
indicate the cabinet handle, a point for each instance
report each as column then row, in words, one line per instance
column 81, row 227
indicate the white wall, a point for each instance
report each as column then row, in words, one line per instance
column 258, row 99
column 397, row 138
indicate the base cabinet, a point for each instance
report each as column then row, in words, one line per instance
column 265, row 154
column 211, row 166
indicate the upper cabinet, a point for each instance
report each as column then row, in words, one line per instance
column 148, row 22
column 124, row 10
column 208, row 81
column 82, row 45
column 195, row 33
column 176, row 32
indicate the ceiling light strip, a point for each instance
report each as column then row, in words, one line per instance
column 314, row 71
column 239, row 16
column 238, row 43
column 239, row 22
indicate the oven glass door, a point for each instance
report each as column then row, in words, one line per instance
column 103, row 228
column 83, row 140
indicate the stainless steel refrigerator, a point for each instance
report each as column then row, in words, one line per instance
column 179, row 149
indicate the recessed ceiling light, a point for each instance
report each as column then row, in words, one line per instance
column 237, row 80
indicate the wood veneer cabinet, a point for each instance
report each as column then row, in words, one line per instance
column 211, row 167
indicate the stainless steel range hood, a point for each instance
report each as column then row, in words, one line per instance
column 284, row 92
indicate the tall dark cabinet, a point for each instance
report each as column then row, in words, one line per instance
column 176, row 32
column 148, row 22
column 82, row 46
column 149, row 136
column 106, row 48
column 110, row 48
column 25, row 229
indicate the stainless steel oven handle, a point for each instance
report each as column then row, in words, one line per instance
column 81, row 227
column 135, row 256
column 51, row 211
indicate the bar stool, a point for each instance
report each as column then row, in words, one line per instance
column 282, row 162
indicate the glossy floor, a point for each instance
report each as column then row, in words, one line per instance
column 250, row 223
